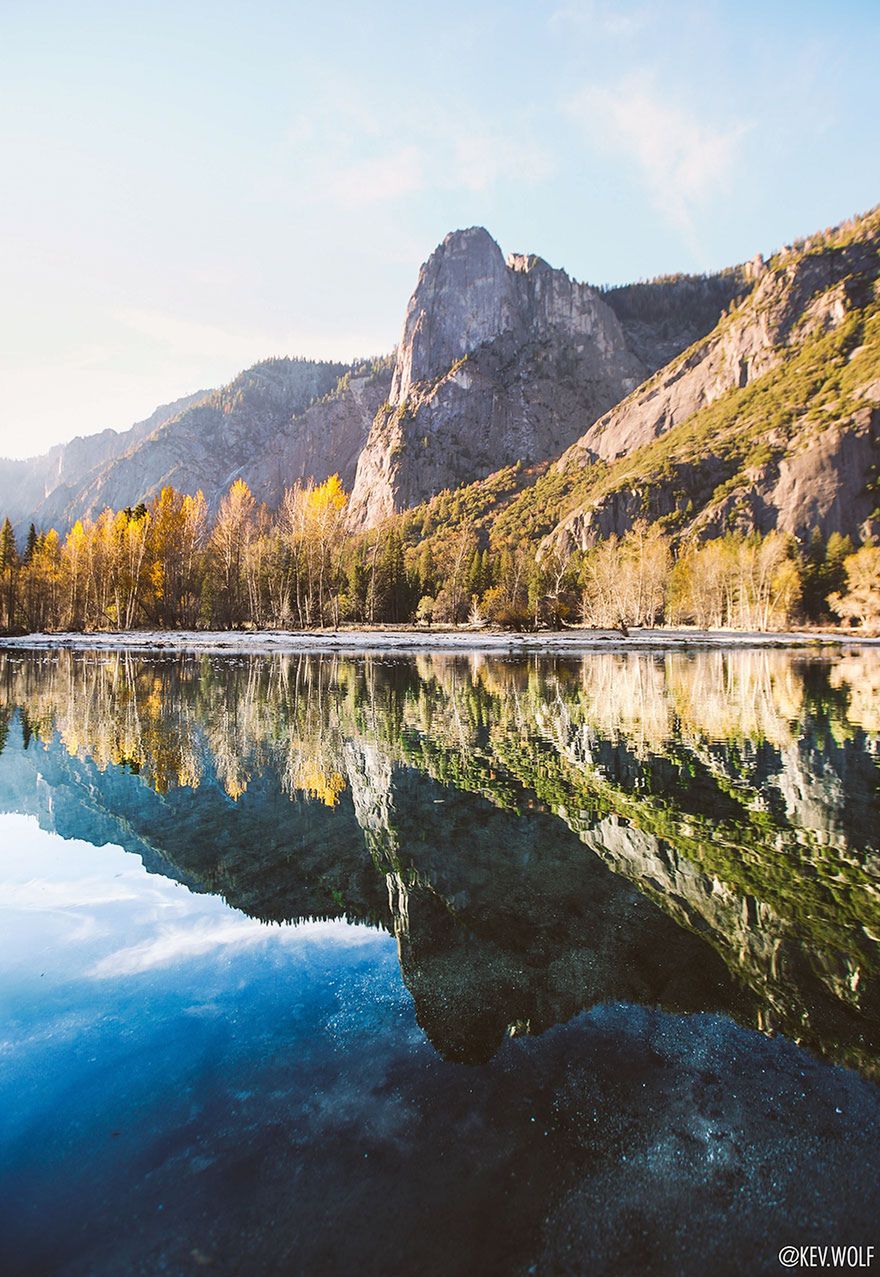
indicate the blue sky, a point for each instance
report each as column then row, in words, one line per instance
column 189, row 187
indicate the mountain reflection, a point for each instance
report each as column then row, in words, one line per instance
column 695, row 832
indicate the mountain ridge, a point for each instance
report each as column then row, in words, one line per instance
column 31, row 480
column 507, row 361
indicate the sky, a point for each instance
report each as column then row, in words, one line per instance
column 189, row 187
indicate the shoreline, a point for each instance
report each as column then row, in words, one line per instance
column 491, row 642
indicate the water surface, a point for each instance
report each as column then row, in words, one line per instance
column 435, row 964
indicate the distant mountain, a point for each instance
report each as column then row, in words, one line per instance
column 747, row 399
column 26, row 485
column 281, row 421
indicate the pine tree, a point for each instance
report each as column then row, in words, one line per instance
column 357, row 578
column 9, row 567
column 31, row 544
column 8, row 548
column 474, row 580
column 425, row 570
column 391, row 585
column 823, row 572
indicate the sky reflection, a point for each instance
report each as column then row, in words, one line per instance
column 95, row 913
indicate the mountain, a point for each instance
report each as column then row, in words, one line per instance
column 25, row 485
column 507, row 360
column 501, row 360
column 744, row 400
column 770, row 419
column 278, row 422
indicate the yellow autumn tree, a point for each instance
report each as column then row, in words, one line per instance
column 230, row 541
column 312, row 521
column 74, row 573
column 174, row 570
column 41, row 583
column 860, row 602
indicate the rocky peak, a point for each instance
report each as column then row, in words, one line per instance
column 543, row 353
column 464, row 298
column 522, row 263
column 468, row 295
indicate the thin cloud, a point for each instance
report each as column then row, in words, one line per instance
column 684, row 161
column 589, row 16
column 483, row 159
column 474, row 160
column 177, row 944
column 41, row 895
column 351, row 155
column 391, row 176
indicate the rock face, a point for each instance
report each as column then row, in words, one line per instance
column 821, row 429
column 788, row 306
column 466, row 296
column 506, row 360
column 325, row 439
column 499, row 361
column 823, row 486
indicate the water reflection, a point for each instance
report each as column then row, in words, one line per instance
column 692, row 832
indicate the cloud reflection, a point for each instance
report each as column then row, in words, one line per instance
column 200, row 936
column 118, row 920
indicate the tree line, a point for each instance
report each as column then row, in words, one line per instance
column 170, row 565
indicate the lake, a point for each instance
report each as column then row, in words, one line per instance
column 438, row 964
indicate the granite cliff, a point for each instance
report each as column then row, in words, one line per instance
column 504, row 361
column 767, row 418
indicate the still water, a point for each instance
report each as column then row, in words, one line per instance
column 437, row 965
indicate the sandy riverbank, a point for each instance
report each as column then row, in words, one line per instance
column 574, row 641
